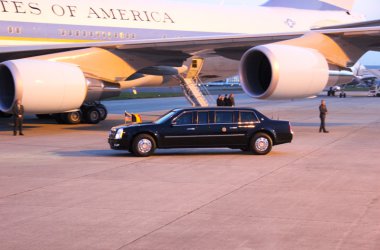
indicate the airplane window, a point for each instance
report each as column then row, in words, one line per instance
column 77, row 33
column 104, row 34
column 203, row 117
column 109, row 34
column 62, row 32
column 84, row 33
column 224, row 116
column 18, row 30
column 122, row 36
column 248, row 117
column 10, row 29
column 186, row 118
column 70, row 32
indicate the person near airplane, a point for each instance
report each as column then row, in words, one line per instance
column 18, row 117
column 322, row 116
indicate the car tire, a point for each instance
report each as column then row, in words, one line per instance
column 261, row 144
column 92, row 116
column 143, row 145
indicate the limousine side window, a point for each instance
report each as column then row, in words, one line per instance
column 248, row 117
column 203, row 117
column 224, row 116
column 185, row 118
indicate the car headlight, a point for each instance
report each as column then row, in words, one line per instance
column 119, row 134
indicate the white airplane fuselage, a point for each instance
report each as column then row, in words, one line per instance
column 46, row 22
column 43, row 22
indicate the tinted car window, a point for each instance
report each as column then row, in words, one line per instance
column 248, row 117
column 165, row 117
column 186, row 118
column 203, row 117
column 224, row 117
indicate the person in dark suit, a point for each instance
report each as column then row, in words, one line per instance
column 220, row 101
column 232, row 100
column 227, row 101
column 322, row 115
column 18, row 117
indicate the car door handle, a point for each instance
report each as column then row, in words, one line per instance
column 190, row 129
column 233, row 127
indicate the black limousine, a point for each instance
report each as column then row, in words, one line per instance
column 232, row 127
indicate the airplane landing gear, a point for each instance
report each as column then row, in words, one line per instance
column 94, row 113
column 91, row 113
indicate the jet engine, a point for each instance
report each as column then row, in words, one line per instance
column 278, row 71
column 43, row 86
column 49, row 87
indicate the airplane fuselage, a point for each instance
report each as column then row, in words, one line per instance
column 47, row 22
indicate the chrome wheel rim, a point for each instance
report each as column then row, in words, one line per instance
column 262, row 144
column 144, row 146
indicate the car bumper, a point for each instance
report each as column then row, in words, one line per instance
column 117, row 144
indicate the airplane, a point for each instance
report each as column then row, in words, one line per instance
column 63, row 57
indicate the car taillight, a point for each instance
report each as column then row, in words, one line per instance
column 290, row 128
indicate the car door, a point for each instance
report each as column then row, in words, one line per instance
column 224, row 130
column 248, row 122
column 181, row 131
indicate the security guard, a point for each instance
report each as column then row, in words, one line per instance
column 322, row 116
column 18, row 117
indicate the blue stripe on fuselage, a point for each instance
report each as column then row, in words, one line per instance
column 81, row 32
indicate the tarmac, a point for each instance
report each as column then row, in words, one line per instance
column 62, row 187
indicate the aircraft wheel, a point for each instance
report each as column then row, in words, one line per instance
column 92, row 116
column 72, row 117
column 103, row 111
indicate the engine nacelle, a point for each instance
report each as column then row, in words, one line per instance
column 42, row 86
column 277, row 71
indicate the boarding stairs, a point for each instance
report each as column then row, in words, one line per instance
column 192, row 86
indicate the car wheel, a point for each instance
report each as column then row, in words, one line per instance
column 92, row 115
column 261, row 144
column 143, row 145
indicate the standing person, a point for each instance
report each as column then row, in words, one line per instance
column 226, row 101
column 322, row 115
column 18, row 117
column 220, row 101
column 232, row 100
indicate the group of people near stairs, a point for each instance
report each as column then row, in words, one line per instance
column 226, row 100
